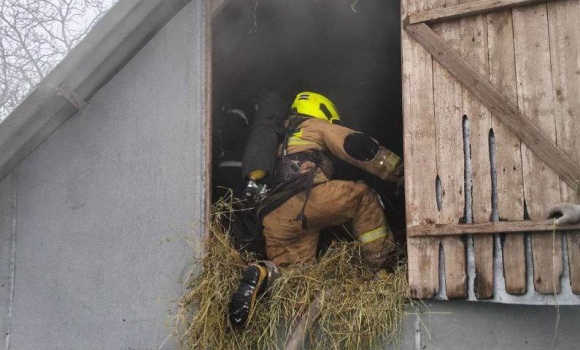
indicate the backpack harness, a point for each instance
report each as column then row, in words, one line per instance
column 287, row 179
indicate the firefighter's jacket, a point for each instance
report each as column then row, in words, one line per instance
column 298, row 213
column 343, row 143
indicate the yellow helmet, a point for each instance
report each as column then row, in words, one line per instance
column 315, row 105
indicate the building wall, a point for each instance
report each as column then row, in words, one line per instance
column 6, row 230
column 101, row 213
column 462, row 325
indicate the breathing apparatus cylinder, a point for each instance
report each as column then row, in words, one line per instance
column 265, row 135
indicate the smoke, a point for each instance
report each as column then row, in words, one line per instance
column 352, row 56
column 324, row 46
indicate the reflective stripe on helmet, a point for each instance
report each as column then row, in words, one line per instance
column 373, row 235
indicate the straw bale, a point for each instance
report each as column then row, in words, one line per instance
column 359, row 309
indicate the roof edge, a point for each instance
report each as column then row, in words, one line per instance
column 114, row 40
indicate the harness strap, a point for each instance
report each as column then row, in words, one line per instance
column 309, row 185
column 289, row 159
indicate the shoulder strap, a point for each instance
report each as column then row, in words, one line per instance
column 292, row 126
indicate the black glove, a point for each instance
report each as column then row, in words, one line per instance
column 397, row 176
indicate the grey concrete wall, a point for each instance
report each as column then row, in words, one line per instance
column 7, row 210
column 459, row 325
column 103, row 204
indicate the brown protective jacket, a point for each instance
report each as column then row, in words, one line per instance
column 332, row 202
column 317, row 134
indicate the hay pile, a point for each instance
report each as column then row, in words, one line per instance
column 359, row 309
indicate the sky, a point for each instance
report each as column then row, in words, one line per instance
column 31, row 29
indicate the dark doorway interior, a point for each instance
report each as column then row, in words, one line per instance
column 345, row 49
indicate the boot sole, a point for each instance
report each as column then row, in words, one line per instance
column 244, row 298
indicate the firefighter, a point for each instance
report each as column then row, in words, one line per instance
column 231, row 130
column 304, row 199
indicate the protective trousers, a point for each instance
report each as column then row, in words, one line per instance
column 330, row 204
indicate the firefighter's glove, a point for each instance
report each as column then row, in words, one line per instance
column 565, row 213
column 397, row 177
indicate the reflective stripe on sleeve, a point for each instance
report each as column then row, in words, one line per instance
column 373, row 235
column 230, row 163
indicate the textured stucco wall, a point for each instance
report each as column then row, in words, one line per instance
column 461, row 325
column 7, row 201
column 101, row 206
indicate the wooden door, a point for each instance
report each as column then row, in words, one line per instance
column 492, row 130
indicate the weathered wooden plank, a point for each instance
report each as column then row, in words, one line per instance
column 447, row 94
column 508, row 159
column 420, row 166
column 305, row 323
column 574, row 260
column 526, row 130
column 474, row 51
column 466, row 9
column 565, row 52
column 488, row 228
column 535, row 99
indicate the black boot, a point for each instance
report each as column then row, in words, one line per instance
column 253, row 283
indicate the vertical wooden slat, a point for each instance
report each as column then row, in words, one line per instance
column 510, row 195
column 474, row 50
column 450, row 161
column 420, row 166
column 535, row 98
column 574, row 260
column 565, row 58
